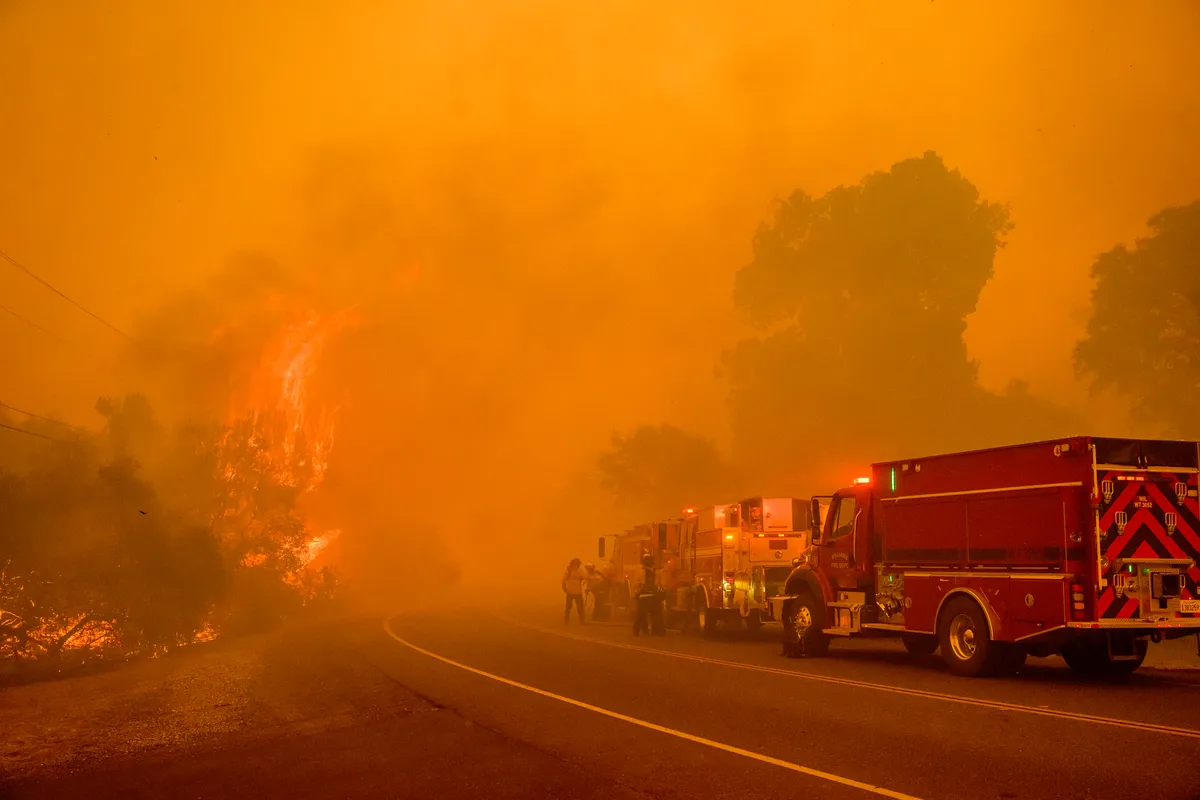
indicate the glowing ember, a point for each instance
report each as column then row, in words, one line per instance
column 253, row 559
column 79, row 632
column 207, row 633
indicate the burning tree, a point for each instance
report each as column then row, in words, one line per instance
column 94, row 559
column 138, row 539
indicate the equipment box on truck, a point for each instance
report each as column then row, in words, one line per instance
column 1088, row 547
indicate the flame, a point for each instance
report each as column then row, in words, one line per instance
column 318, row 543
column 278, row 433
column 206, row 634
column 275, row 413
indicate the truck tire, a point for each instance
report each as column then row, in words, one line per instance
column 620, row 597
column 967, row 648
column 1090, row 657
column 802, row 634
column 706, row 618
column 920, row 644
column 1011, row 659
column 1125, row 666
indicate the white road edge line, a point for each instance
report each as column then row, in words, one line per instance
column 997, row 705
column 728, row 748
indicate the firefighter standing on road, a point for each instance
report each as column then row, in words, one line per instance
column 649, row 603
column 572, row 586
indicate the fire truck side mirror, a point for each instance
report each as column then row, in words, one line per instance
column 602, row 547
column 814, row 518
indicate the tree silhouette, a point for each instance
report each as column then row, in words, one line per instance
column 861, row 298
column 1143, row 338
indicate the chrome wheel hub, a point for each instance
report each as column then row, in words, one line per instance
column 962, row 637
column 802, row 620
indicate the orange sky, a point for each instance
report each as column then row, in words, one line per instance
column 141, row 143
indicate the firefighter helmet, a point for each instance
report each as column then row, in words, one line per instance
column 647, row 561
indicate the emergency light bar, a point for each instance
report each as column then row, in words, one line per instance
column 860, row 481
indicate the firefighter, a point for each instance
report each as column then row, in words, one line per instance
column 572, row 586
column 649, row 603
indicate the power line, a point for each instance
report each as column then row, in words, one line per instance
column 32, row 324
column 31, row 433
column 31, row 274
column 37, row 416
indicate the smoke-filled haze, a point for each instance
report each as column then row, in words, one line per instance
column 530, row 214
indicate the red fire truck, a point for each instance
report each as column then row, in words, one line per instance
column 1088, row 547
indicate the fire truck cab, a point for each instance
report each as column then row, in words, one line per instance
column 620, row 566
column 1086, row 547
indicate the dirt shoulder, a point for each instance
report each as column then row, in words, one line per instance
column 300, row 713
column 300, row 680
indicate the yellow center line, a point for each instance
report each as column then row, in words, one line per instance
column 728, row 748
column 996, row 705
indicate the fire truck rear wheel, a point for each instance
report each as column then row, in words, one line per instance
column 967, row 647
column 1090, row 657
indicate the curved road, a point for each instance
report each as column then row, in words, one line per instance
column 682, row 717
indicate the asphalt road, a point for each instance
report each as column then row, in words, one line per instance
column 683, row 717
column 478, row 705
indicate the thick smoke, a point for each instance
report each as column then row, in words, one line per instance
column 530, row 216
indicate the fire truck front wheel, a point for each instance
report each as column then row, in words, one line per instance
column 706, row 618
column 802, row 634
column 967, row 648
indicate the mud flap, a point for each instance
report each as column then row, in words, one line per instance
column 776, row 604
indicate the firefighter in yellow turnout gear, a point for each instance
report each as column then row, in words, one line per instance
column 572, row 586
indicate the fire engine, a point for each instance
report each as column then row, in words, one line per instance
column 620, row 566
column 719, row 564
column 1086, row 547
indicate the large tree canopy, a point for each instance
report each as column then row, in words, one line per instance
column 862, row 297
column 1143, row 339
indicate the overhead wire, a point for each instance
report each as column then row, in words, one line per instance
column 32, row 433
column 32, row 324
column 38, row 416
column 82, row 308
